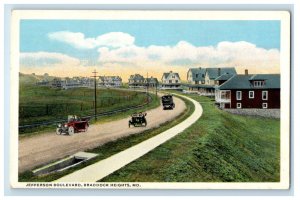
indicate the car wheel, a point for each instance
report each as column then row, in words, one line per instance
column 86, row 128
column 58, row 131
column 71, row 130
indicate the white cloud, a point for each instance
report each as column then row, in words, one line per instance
column 79, row 41
column 119, row 47
column 119, row 54
column 185, row 54
column 42, row 59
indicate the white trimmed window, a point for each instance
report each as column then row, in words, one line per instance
column 238, row 95
column 239, row 105
column 265, row 105
column 264, row 95
column 251, row 94
column 258, row 83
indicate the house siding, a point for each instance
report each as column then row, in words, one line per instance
column 273, row 100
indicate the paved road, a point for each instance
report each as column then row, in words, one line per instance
column 103, row 168
column 44, row 148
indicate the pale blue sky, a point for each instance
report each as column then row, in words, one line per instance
column 34, row 33
column 128, row 46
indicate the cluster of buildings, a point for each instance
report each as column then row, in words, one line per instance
column 230, row 90
column 169, row 80
column 75, row 82
column 138, row 81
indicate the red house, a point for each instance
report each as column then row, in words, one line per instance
column 249, row 91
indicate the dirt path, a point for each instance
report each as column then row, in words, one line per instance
column 41, row 149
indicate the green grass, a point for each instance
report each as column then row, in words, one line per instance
column 220, row 147
column 111, row 148
column 38, row 103
column 29, row 132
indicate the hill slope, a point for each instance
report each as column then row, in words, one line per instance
column 220, row 147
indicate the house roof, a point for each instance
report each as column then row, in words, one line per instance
column 272, row 81
column 213, row 73
column 136, row 77
column 151, row 80
column 166, row 74
column 263, row 76
column 200, row 72
column 115, row 78
column 224, row 77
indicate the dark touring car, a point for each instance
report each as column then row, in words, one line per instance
column 138, row 119
column 167, row 102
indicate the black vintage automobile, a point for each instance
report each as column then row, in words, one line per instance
column 167, row 102
column 138, row 119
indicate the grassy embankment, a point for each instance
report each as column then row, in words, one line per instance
column 220, row 147
column 111, row 148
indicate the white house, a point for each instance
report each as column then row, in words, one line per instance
column 204, row 80
column 170, row 80
column 110, row 81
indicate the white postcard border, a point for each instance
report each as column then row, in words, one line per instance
column 283, row 16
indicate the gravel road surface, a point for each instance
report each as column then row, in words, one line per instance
column 44, row 148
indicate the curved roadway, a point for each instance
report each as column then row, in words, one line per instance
column 103, row 168
column 42, row 149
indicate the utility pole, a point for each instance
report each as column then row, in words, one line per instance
column 156, row 89
column 95, row 91
column 147, row 87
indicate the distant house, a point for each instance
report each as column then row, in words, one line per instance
column 204, row 80
column 57, row 83
column 68, row 83
column 87, row 82
column 136, row 80
column 170, row 80
column 110, row 81
column 75, row 82
column 196, row 76
column 151, row 82
column 249, row 91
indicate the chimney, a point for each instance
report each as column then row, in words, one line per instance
column 219, row 71
column 246, row 71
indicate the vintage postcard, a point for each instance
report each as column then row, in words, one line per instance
column 150, row 99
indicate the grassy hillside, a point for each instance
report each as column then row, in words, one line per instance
column 38, row 103
column 42, row 103
column 220, row 147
